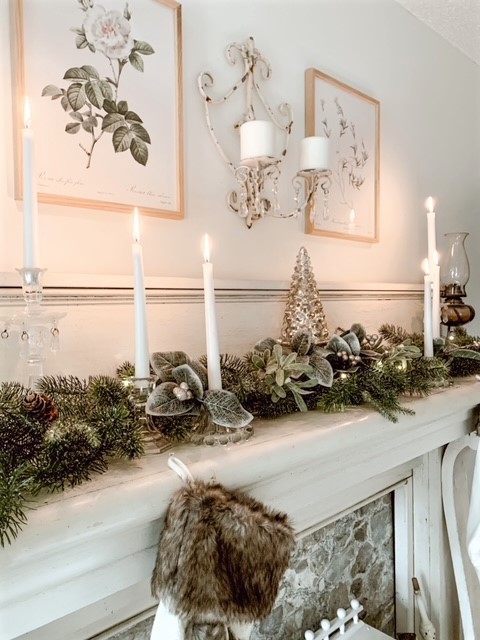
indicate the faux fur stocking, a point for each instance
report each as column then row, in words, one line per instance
column 220, row 560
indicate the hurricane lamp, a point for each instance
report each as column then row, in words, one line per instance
column 454, row 275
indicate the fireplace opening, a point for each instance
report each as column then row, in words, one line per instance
column 352, row 556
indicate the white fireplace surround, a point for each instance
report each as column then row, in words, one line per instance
column 84, row 560
column 82, row 565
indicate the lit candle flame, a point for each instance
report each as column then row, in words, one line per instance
column 429, row 204
column 425, row 267
column 136, row 225
column 27, row 113
column 353, row 215
column 206, row 248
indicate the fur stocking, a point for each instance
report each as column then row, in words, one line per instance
column 220, row 560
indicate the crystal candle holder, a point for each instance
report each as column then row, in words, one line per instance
column 206, row 432
column 138, row 390
column 37, row 327
column 32, row 285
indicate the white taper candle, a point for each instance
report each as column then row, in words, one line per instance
column 30, row 206
column 427, row 312
column 211, row 334
column 436, row 301
column 434, row 269
column 142, row 361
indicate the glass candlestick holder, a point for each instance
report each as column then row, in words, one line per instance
column 138, row 390
column 206, row 432
column 37, row 328
column 32, row 286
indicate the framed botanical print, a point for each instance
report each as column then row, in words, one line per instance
column 104, row 81
column 350, row 120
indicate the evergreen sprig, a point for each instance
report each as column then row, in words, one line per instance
column 15, row 488
column 397, row 335
column 96, row 421
column 377, row 388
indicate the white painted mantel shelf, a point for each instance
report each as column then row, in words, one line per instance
column 84, row 560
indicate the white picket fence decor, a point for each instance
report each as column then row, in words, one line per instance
column 347, row 625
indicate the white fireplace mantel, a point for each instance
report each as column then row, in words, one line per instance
column 84, row 560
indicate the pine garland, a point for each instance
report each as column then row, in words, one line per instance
column 68, row 429
column 70, row 433
column 386, row 368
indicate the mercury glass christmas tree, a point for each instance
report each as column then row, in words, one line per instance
column 304, row 310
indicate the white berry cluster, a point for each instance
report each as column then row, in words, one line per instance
column 344, row 355
column 182, row 392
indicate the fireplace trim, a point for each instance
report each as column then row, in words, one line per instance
column 88, row 554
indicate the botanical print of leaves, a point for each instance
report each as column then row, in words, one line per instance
column 347, row 171
column 93, row 102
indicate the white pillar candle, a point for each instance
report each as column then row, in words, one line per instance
column 314, row 153
column 257, row 139
column 433, row 267
column 142, row 361
column 30, row 207
column 427, row 312
column 213, row 354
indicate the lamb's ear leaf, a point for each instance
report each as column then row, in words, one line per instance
column 225, row 409
column 301, row 342
column 464, row 353
column 322, row 370
column 336, row 344
column 353, row 342
column 163, row 402
column 185, row 373
column 171, row 359
column 359, row 330
column 200, row 370
column 266, row 343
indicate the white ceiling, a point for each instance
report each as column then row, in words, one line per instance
column 458, row 21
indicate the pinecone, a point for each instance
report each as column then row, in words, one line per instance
column 40, row 407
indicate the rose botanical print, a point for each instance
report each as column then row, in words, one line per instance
column 92, row 98
column 104, row 82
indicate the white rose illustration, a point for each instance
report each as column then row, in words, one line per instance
column 108, row 32
column 93, row 102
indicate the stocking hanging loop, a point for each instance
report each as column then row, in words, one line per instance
column 180, row 468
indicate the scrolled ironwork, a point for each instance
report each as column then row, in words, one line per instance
column 258, row 178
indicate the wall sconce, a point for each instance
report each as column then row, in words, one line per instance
column 455, row 274
column 258, row 170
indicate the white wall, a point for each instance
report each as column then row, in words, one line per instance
column 430, row 135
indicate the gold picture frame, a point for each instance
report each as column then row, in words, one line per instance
column 351, row 121
column 107, row 116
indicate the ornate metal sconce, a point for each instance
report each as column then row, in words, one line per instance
column 455, row 274
column 258, row 171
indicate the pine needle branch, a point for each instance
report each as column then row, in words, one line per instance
column 397, row 335
column 14, row 489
